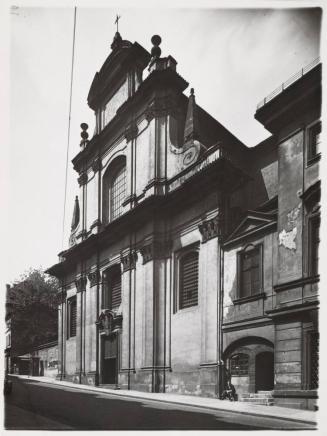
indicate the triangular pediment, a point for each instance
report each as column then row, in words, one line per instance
column 251, row 222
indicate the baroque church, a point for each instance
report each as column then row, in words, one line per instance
column 192, row 258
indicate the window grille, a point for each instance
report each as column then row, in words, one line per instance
column 239, row 364
column 117, row 193
column 314, row 360
column 250, row 272
column 189, row 277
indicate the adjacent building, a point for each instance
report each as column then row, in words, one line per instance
column 192, row 257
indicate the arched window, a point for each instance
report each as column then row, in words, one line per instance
column 239, row 364
column 114, row 190
column 111, row 296
column 188, row 279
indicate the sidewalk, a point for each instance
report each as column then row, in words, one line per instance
column 296, row 415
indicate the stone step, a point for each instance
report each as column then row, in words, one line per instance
column 255, row 396
column 259, row 401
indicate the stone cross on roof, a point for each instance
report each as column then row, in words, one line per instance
column 118, row 17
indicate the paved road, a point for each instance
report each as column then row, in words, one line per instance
column 35, row 405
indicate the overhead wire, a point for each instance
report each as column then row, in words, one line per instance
column 69, row 122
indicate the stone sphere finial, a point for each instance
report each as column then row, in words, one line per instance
column 156, row 50
column 84, row 133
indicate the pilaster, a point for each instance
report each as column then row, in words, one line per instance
column 80, row 284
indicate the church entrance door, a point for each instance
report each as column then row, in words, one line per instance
column 109, row 371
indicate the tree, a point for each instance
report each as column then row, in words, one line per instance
column 31, row 305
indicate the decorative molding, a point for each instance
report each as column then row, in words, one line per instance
column 289, row 310
column 96, row 164
column 129, row 260
column 109, row 322
column 80, row 283
column 131, row 132
column 94, row 277
column 211, row 228
column 95, row 223
column 82, row 180
column 259, row 296
column 129, row 199
column 155, row 250
column 160, row 107
column 296, row 283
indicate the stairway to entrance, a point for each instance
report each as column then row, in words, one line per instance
column 263, row 398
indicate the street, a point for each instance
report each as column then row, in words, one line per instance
column 35, row 405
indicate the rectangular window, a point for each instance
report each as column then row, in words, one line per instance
column 314, row 134
column 250, row 272
column 72, row 317
column 314, row 240
column 188, row 279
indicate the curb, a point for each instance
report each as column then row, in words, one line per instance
column 139, row 395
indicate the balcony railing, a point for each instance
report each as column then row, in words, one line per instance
column 288, row 82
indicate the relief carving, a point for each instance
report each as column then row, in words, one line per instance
column 129, row 260
column 94, row 278
column 155, row 250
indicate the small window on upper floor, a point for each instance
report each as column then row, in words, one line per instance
column 250, row 271
column 313, row 141
column 114, row 190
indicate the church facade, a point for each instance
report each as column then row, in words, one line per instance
column 192, row 258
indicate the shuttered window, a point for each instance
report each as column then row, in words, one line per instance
column 111, row 298
column 115, row 287
column 189, row 277
column 72, row 315
column 250, row 272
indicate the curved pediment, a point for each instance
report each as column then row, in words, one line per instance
column 124, row 57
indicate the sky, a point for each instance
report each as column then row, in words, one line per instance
column 232, row 58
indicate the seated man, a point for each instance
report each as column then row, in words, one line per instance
column 229, row 392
